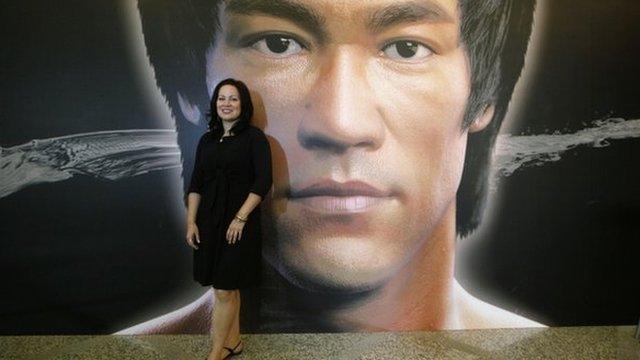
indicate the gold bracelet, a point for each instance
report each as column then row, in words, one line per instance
column 240, row 219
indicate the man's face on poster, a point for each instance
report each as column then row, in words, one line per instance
column 364, row 104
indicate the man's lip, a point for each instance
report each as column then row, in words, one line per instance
column 338, row 189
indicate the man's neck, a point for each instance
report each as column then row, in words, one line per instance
column 421, row 296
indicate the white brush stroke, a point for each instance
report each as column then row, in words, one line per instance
column 106, row 154
column 515, row 152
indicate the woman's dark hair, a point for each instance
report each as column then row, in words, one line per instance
column 246, row 106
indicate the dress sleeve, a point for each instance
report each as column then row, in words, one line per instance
column 261, row 159
column 197, row 176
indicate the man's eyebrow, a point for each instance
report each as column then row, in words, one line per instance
column 406, row 12
column 301, row 15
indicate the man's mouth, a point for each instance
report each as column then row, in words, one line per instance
column 332, row 197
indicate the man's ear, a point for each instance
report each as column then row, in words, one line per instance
column 482, row 120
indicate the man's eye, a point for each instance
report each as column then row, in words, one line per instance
column 407, row 51
column 277, row 46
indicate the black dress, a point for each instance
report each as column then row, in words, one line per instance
column 224, row 174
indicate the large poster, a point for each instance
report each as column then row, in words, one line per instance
column 437, row 164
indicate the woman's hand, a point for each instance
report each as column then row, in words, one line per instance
column 235, row 231
column 193, row 236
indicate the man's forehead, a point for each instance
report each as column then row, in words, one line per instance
column 374, row 14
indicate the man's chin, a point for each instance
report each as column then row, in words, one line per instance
column 331, row 262
column 317, row 278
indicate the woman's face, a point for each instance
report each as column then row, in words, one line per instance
column 228, row 103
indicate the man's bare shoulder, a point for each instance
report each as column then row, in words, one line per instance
column 194, row 318
column 477, row 314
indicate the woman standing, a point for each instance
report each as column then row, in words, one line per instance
column 231, row 176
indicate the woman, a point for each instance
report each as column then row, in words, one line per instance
column 231, row 176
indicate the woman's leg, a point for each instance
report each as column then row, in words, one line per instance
column 224, row 312
column 234, row 333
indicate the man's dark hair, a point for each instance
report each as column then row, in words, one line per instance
column 246, row 105
column 495, row 34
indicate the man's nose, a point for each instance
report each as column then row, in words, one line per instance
column 341, row 112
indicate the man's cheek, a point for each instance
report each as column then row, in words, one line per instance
column 427, row 170
column 283, row 86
